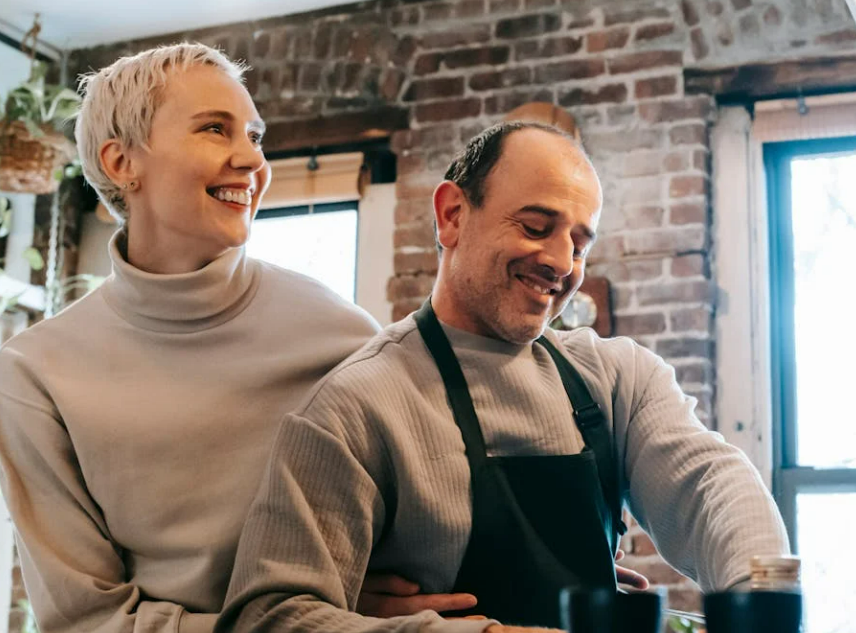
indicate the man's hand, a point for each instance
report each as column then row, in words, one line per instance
column 498, row 628
column 628, row 576
column 386, row 596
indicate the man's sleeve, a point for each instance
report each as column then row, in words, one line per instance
column 306, row 544
column 701, row 500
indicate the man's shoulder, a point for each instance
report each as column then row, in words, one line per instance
column 381, row 364
column 605, row 359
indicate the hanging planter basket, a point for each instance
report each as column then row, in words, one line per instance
column 29, row 162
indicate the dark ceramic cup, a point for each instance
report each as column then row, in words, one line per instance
column 604, row 611
column 753, row 612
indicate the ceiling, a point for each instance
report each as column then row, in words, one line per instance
column 68, row 24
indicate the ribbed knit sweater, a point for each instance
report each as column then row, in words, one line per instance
column 371, row 474
column 134, row 429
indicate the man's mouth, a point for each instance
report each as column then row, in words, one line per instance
column 540, row 286
column 242, row 197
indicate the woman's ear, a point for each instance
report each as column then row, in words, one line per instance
column 450, row 207
column 116, row 162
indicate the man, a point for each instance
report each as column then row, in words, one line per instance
column 469, row 448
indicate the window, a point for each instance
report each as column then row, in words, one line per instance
column 319, row 241
column 812, row 222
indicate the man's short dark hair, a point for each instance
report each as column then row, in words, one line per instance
column 472, row 165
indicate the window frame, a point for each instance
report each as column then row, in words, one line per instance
column 789, row 477
column 315, row 209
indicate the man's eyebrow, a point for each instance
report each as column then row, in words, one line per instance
column 228, row 116
column 552, row 213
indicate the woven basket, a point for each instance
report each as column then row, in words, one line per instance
column 28, row 163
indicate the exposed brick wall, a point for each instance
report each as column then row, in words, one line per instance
column 617, row 66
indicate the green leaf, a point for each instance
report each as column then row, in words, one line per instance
column 34, row 258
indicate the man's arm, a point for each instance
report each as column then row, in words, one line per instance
column 308, row 537
column 702, row 501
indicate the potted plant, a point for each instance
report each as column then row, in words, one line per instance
column 33, row 149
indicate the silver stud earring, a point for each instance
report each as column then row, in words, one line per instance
column 125, row 186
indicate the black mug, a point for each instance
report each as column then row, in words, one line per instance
column 753, row 612
column 605, row 611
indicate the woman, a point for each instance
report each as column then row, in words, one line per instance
column 134, row 425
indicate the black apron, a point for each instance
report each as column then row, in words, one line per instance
column 540, row 523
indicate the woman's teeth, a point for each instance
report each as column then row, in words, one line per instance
column 238, row 196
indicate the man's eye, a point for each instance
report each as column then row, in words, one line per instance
column 256, row 138
column 534, row 231
column 214, row 127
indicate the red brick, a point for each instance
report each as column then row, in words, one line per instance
column 666, row 240
column 433, row 11
column 687, row 186
column 451, row 38
column 633, row 62
column 691, row 320
column 656, row 87
column 698, row 42
column 416, row 186
column 613, row 93
column 676, row 110
column 403, row 307
column 469, row 8
column 648, row 32
column 390, row 84
column 528, row 25
column 644, row 217
column 772, row 16
column 410, row 164
column 500, row 79
column 676, row 161
column 701, row 160
column 690, row 12
column 404, row 16
column 631, row 270
column 685, row 599
column 641, row 191
column 427, row 63
column 636, row 324
column 689, row 291
column 581, row 23
column 423, row 139
column 503, row 6
column 641, row 164
column 451, row 110
column 551, row 47
column 655, row 569
column 409, row 287
column 261, row 45
column 415, row 210
column 599, row 41
column 421, row 235
column 572, row 69
column 625, row 140
column 688, row 213
column 693, row 373
column 506, row 101
column 420, row 262
column 625, row 15
column 490, row 55
column 404, row 50
column 437, row 88
column 685, row 348
column 689, row 134
column 692, row 265
column 642, row 545
column 844, row 36
column 323, row 41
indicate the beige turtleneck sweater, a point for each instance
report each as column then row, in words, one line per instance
column 135, row 426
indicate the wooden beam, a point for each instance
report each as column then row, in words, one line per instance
column 744, row 84
column 337, row 129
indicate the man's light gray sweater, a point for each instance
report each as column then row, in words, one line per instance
column 371, row 474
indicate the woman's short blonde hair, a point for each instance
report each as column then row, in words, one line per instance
column 120, row 101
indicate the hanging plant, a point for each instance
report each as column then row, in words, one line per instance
column 33, row 149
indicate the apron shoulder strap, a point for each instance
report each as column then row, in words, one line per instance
column 456, row 384
column 592, row 425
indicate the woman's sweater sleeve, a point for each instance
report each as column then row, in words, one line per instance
column 74, row 573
